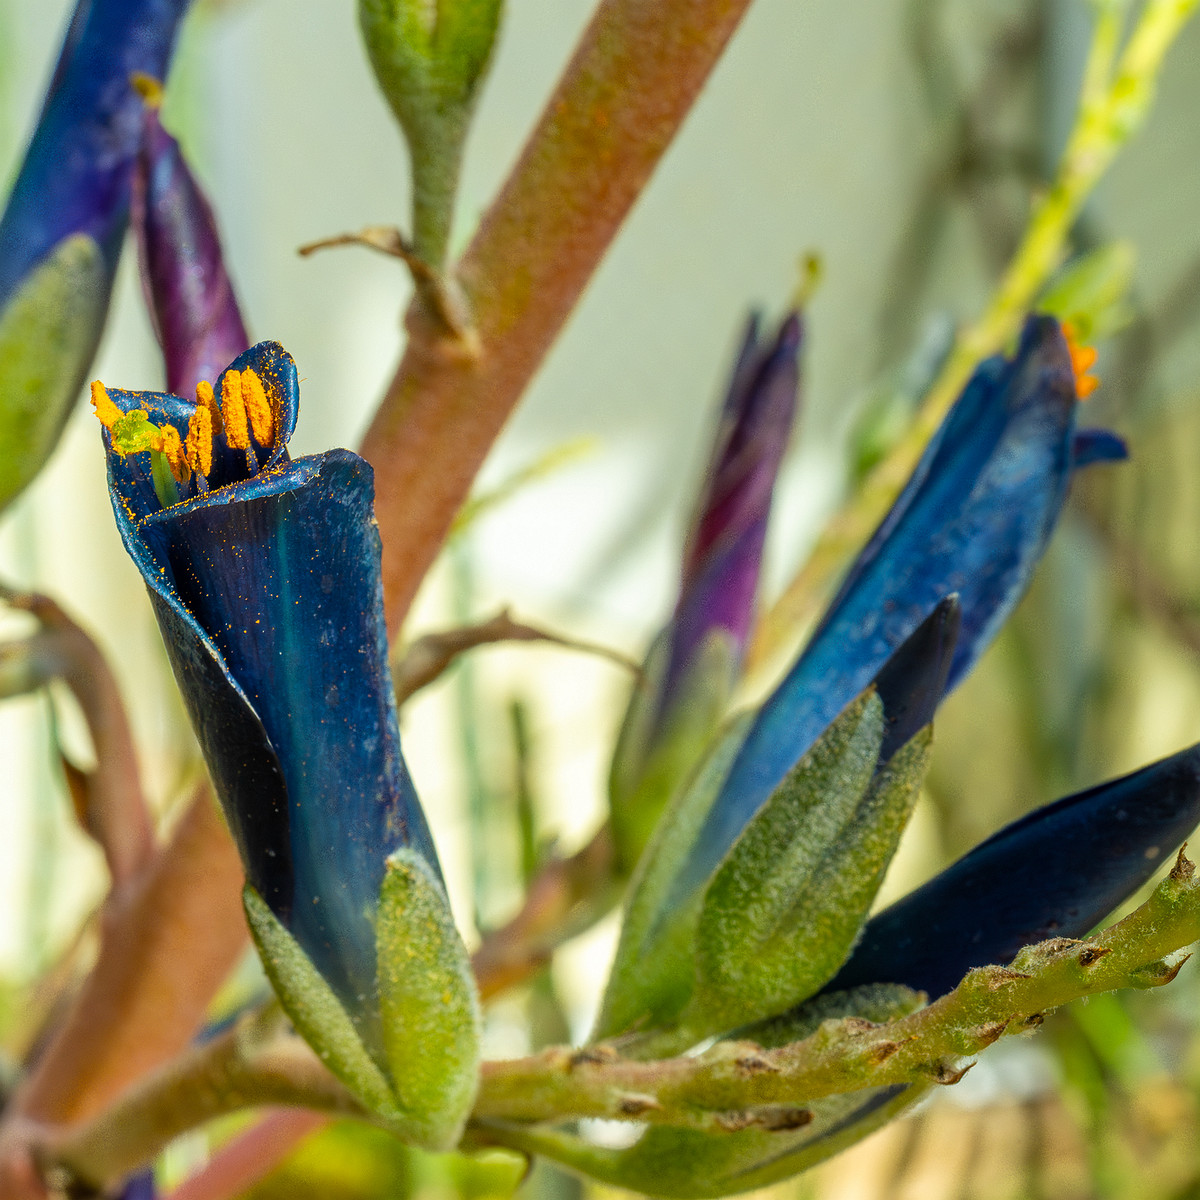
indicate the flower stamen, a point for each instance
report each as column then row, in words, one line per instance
column 233, row 410
column 108, row 413
column 206, row 400
column 172, row 450
column 1083, row 358
column 199, row 444
column 258, row 408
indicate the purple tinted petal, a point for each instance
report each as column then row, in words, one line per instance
column 724, row 552
column 188, row 290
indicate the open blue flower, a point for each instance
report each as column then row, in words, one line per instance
column 264, row 576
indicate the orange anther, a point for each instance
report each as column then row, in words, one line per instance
column 106, row 410
column 206, row 399
column 198, row 446
column 1083, row 358
column 258, row 408
column 173, row 452
column 233, row 409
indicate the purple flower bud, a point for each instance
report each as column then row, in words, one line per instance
column 188, row 291
column 724, row 549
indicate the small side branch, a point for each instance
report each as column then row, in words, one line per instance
column 427, row 657
column 444, row 299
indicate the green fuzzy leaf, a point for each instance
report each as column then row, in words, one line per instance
column 316, row 1012
column 787, row 903
column 428, row 1002
column 647, row 771
column 48, row 336
column 652, row 974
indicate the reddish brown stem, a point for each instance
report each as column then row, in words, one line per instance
column 167, row 944
column 114, row 809
column 632, row 81
column 252, row 1155
column 567, row 896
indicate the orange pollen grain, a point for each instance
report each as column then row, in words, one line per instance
column 205, row 399
column 233, row 409
column 173, row 452
column 199, row 444
column 1083, row 358
column 258, row 408
column 106, row 410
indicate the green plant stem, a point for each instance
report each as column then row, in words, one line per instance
column 629, row 86
column 251, row 1065
column 732, row 1086
column 1114, row 103
column 436, row 166
column 738, row 1077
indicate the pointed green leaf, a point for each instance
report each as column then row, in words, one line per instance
column 428, row 1002
column 788, row 901
column 48, row 336
column 647, row 770
column 314, row 1010
column 652, row 974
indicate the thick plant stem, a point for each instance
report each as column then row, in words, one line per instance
column 735, row 1079
column 168, row 942
column 248, row 1066
column 734, row 1085
column 628, row 88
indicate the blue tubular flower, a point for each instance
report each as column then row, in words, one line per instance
column 264, row 577
column 188, row 290
column 973, row 520
column 61, row 233
column 1057, row 872
column 694, row 662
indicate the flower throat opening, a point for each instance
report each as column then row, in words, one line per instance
column 245, row 415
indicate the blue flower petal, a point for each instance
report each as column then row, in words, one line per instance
column 1098, row 446
column 1057, row 872
column 973, row 520
column 912, row 682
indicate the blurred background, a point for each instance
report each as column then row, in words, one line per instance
column 902, row 147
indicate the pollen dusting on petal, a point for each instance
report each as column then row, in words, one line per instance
column 233, row 409
column 106, row 410
column 258, row 408
column 206, row 400
column 198, row 447
column 172, row 450
column 1083, row 358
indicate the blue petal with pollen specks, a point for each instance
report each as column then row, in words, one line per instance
column 973, row 520
column 269, row 596
column 1057, row 872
